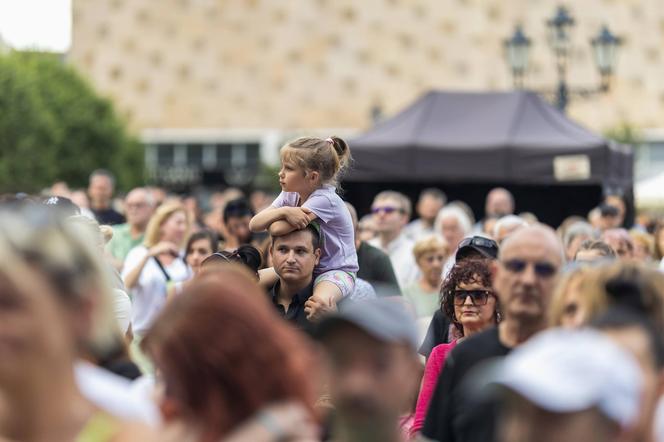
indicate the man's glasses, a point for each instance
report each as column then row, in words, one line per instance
column 542, row 269
column 477, row 297
column 386, row 209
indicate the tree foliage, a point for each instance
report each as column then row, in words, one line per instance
column 54, row 127
column 625, row 133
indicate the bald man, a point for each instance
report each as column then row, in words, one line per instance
column 524, row 278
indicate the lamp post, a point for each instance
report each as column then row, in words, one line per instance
column 604, row 47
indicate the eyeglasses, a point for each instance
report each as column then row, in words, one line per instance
column 479, row 242
column 386, row 209
column 136, row 205
column 477, row 297
column 542, row 269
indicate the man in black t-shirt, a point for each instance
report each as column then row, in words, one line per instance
column 294, row 256
column 100, row 192
column 525, row 275
column 375, row 265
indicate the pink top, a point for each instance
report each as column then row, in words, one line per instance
column 432, row 370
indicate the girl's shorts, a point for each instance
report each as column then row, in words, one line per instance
column 344, row 280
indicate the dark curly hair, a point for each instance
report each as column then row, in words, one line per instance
column 466, row 271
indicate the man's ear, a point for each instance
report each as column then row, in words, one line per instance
column 317, row 254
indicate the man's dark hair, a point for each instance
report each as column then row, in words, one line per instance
column 246, row 255
column 312, row 228
column 434, row 193
column 237, row 208
column 103, row 172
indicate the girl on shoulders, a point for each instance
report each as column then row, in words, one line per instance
column 308, row 177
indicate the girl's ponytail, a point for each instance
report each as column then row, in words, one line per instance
column 342, row 150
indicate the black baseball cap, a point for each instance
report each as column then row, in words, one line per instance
column 486, row 247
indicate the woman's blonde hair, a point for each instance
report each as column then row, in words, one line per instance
column 152, row 231
column 594, row 299
column 328, row 157
column 36, row 240
column 429, row 245
column 644, row 239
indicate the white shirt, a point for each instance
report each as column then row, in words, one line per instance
column 148, row 296
column 401, row 255
column 417, row 230
column 114, row 394
column 122, row 309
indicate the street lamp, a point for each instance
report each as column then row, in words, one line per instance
column 605, row 46
column 516, row 48
column 559, row 30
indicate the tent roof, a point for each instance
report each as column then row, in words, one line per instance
column 486, row 137
column 480, row 120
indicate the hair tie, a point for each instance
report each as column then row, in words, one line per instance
column 331, row 141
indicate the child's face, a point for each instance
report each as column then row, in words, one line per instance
column 292, row 178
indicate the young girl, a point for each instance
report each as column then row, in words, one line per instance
column 308, row 179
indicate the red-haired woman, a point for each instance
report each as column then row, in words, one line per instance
column 223, row 356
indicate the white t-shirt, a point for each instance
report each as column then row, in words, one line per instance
column 122, row 309
column 114, row 394
column 148, row 296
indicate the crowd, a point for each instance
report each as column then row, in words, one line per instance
column 288, row 317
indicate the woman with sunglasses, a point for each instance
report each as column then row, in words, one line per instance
column 469, row 302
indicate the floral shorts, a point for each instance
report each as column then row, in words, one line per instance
column 344, row 280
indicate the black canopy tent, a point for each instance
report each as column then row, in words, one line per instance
column 466, row 143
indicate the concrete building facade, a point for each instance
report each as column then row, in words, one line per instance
column 264, row 65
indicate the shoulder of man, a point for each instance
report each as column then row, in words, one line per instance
column 372, row 250
column 120, row 229
column 476, row 348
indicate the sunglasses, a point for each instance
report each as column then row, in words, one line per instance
column 479, row 241
column 542, row 269
column 477, row 297
column 386, row 209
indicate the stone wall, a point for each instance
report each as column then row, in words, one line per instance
column 289, row 64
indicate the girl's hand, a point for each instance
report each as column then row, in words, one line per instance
column 297, row 217
column 315, row 308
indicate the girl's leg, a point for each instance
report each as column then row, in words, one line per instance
column 323, row 300
column 329, row 288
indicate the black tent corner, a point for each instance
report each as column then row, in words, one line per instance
column 473, row 140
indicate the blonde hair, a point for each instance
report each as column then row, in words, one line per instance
column 34, row 240
column 595, row 300
column 152, row 231
column 644, row 239
column 328, row 157
column 429, row 245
